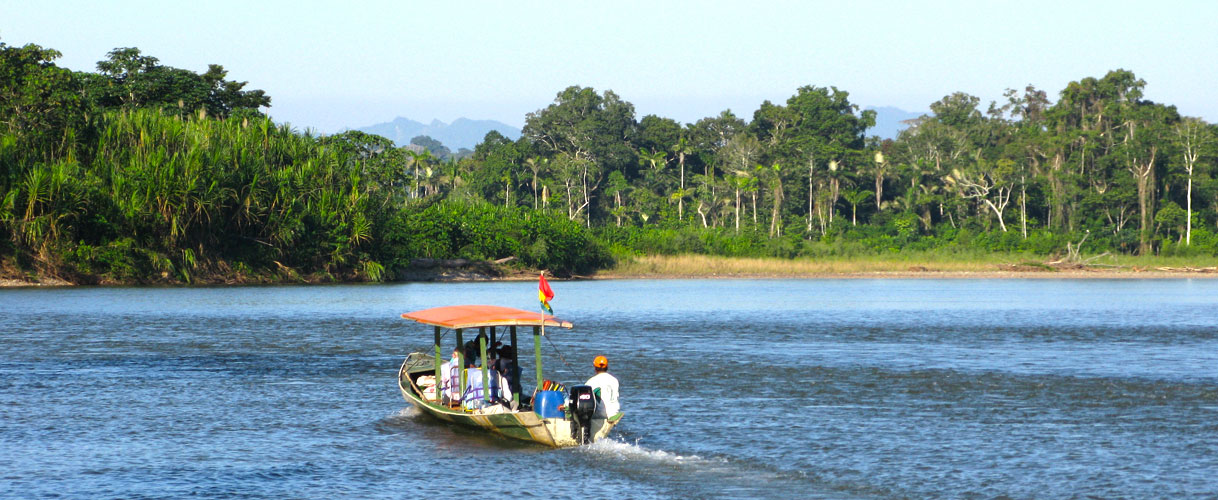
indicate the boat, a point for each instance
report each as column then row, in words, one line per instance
column 534, row 417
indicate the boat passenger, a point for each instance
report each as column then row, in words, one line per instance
column 450, row 378
column 473, row 389
column 473, row 350
column 499, row 392
column 506, row 366
column 605, row 387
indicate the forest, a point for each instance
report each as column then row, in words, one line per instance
column 145, row 173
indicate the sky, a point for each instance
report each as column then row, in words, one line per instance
column 329, row 66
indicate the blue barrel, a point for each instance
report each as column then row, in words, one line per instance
column 546, row 404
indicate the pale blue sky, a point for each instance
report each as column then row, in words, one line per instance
column 333, row 65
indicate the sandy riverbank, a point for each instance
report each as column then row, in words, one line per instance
column 1069, row 274
column 617, row 275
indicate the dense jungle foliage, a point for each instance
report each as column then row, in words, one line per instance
column 141, row 172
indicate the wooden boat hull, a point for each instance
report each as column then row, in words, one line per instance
column 523, row 425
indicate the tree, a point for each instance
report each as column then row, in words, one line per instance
column 1146, row 126
column 536, row 165
column 127, row 78
column 591, row 131
column 707, row 136
column 617, row 186
column 880, row 173
column 824, row 127
column 1192, row 136
column 990, row 184
column 438, row 149
column 854, row 198
column 681, row 148
column 420, row 160
column 740, row 152
column 40, row 103
column 774, row 175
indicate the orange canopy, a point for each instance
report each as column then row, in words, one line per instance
column 476, row 316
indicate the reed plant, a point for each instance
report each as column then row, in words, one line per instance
column 161, row 194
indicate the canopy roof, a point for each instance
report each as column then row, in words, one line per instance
column 473, row 316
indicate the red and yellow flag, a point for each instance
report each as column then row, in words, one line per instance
column 545, row 294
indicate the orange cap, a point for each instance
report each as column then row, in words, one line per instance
column 600, row 362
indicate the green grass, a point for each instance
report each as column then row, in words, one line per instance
column 903, row 262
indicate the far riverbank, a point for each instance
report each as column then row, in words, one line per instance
column 716, row 267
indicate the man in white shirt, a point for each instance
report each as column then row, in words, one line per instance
column 605, row 387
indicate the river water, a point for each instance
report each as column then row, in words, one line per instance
column 731, row 388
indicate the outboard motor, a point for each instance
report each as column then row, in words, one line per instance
column 582, row 407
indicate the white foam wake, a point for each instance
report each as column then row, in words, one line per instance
column 620, row 450
column 407, row 412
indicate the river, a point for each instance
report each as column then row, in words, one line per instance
column 731, row 388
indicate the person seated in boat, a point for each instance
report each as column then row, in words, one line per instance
column 497, row 393
column 605, row 387
column 450, row 378
column 473, row 350
column 507, row 367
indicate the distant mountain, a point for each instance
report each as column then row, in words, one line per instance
column 461, row 133
column 888, row 121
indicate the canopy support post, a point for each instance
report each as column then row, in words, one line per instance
column 461, row 369
column 439, row 395
column 512, row 369
column 486, row 382
column 537, row 353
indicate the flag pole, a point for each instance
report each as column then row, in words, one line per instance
column 537, row 339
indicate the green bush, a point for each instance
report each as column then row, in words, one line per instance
column 480, row 231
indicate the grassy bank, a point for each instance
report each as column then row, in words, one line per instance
column 903, row 264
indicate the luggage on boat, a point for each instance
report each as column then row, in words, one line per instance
column 546, row 404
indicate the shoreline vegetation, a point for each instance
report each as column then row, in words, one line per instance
column 145, row 174
column 995, row 266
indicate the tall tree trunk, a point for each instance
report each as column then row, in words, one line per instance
column 737, row 209
column 879, row 187
column 681, row 199
column 834, row 192
column 775, row 227
column 1023, row 209
column 618, row 213
column 811, row 167
column 754, row 209
column 998, row 213
column 1057, row 194
column 1143, row 174
column 1188, row 228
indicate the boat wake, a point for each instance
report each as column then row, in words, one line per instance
column 610, row 448
column 407, row 412
column 685, row 476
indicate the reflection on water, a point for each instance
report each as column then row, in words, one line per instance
column 733, row 388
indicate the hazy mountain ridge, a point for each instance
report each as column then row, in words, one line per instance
column 461, row 133
column 467, row 133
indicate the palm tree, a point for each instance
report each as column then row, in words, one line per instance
column 681, row 149
column 774, row 174
column 419, row 160
column 536, row 165
column 854, row 198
